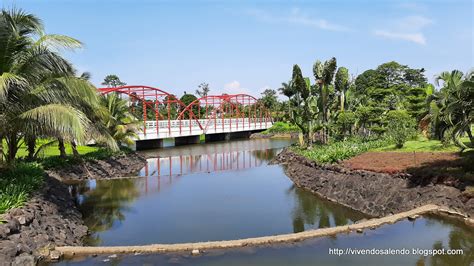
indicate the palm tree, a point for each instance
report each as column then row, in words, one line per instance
column 324, row 75
column 38, row 92
column 453, row 105
column 119, row 121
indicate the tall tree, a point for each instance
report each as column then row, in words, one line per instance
column 342, row 85
column 324, row 75
column 203, row 89
column 37, row 85
column 113, row 81
column 269, row 99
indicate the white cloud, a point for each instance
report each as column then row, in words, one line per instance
column 414, row 23
column 408, row 28
column 418, row 38
column 298, row 18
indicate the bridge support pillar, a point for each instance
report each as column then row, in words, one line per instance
column 187, row 140
column 148, row 144
column 240, row 135
column 217, row 137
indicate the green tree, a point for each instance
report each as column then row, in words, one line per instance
column 38, row 88
column 454, row 105
column 113, row 81
column 203, row 89
column 342, row 85
column 121, row 124
column 324, row 75
column 187, row 99
column 400, row 126
column 269, row 99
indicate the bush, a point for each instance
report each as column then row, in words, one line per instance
column 338, row 151
column 400, row 126
column 17, row 183
column 282, row 127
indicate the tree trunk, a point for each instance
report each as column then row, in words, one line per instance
column 31, row 145
column 469, row 133
column 2, row 153
column 62, row 148
column 12, row 143
column 75, row 153
column 343, row 99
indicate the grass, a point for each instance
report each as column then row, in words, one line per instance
column 421, row 144
column 281, row 127
column 17, row 183
column 341, row 150
column 51, row 150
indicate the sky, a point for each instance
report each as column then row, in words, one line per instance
column 248, row 46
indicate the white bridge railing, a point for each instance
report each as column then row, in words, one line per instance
column 183, row 128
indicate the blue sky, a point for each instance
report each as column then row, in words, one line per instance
column 247, row 46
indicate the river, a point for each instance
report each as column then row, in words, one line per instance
column 228, row 190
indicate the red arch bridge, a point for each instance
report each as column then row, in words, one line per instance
column 217, row 117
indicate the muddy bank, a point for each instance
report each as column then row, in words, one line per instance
column 259, row 135
column 119, row 165
column 50, row 218
column 375, row 194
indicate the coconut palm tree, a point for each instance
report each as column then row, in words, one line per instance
column 39, row 94
column 119, row 121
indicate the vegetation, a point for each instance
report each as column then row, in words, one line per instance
column 338, row 151
column 281, row 127
column 421, row 144
column 400, row 126
column 18, row 183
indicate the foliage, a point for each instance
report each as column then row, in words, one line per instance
column 40, row 95
column 451, row 107
column 113, row 81
column 341, row 150
column 421, row 144
column 118, row 120
column 269, row 99
column 401, row 126
column 17, row 183
column 203, row 89
column 282, row 127
column 188, row 99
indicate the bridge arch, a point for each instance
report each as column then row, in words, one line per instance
column 234, row 110
column 163, row 106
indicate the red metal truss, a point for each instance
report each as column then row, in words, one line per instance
column 242, row 108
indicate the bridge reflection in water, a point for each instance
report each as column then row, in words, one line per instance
column 163, row 171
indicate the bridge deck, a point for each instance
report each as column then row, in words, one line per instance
column 184, row 128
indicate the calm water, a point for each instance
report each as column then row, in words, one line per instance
column 424, row 233
column 204, row 192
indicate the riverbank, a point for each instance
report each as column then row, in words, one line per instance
column 50, row 218
column 117, row 165
column 260, row 135
column 376, row 194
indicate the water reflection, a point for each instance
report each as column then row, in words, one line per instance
column 318, row 213
column 216, row 192
column 424, row 233
column 103, row 204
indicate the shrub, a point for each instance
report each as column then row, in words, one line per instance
column 17, row 183
column 282, row 127
column 400, row 126
column 341, row 150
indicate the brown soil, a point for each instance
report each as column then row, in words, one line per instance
column 423, row 167
column 395, row 162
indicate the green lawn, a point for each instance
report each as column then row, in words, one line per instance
column 52, row 150
column 420, row 145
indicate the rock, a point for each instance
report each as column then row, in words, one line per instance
column 22, row 220
column 113, row 256
column 413, row 217
column 55, row 255
column 360, row 231
column 4, row 231
column 24, row 260
column 195, row 252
